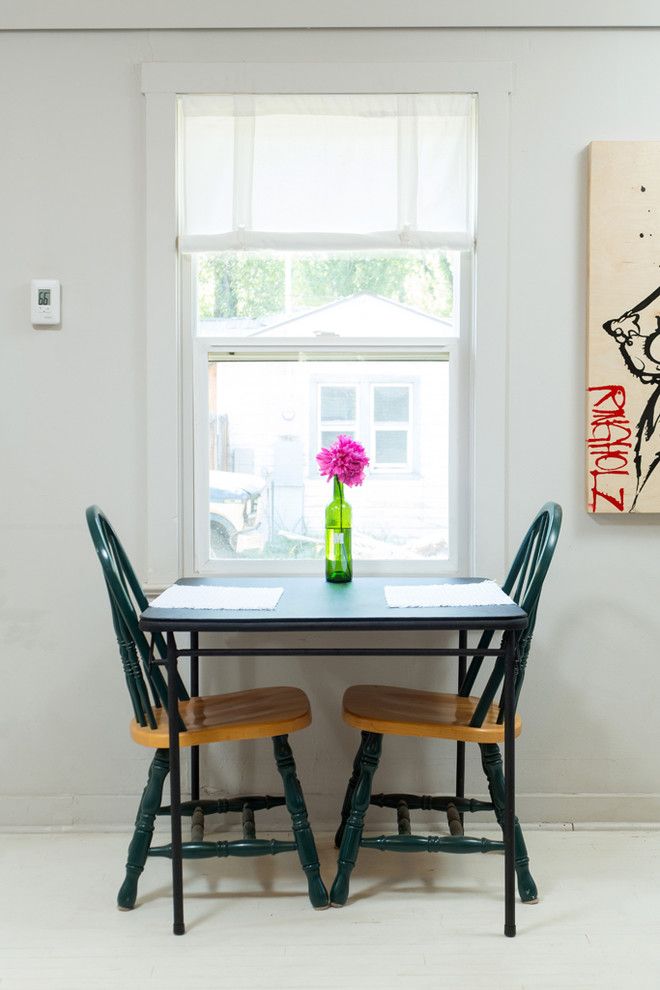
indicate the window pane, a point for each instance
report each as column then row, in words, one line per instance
column 267, row 412
column 337, row 403
column 328, row 437
column 317, row 294
column 391, row 405
column 391, row 446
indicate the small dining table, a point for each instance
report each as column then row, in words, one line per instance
column 311, row 605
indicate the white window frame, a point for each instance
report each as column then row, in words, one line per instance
column 479, row 481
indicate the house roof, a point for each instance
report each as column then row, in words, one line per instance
column 361, row 315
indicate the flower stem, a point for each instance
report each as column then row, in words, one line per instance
column 339, row 495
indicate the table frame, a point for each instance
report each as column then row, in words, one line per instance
column 326, row 611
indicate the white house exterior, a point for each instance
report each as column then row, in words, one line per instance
column 275, row 415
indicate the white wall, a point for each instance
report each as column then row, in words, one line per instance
column 73, row 432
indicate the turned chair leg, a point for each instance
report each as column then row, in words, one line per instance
column 368, row 758
column 491, row 761
column 302, row 831
column 138, row 849
column 352, row 783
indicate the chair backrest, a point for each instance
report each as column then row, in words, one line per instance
column 523, row 583
column 127, row 600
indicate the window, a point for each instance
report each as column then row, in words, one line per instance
column 391, row 426
column 325, row 307
column 337, row 411
column 379, row 412
column 184, row 343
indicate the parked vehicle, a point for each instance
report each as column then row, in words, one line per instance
column 235, row 513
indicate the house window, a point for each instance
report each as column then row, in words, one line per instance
column 323, row 243
column 337, row 405
column 379, row 411
column 391, row 410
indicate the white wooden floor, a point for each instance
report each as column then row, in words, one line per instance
column 415, row 921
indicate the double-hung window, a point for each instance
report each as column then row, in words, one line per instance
column 325, row 247
column 342, row 287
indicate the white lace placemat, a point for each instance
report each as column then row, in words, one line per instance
column 448, row 595
column 217, row 596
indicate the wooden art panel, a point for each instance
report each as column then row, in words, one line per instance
column 623, row 364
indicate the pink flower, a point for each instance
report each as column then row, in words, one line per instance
column 345, row 459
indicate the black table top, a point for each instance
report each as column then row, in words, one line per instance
column 313, row 604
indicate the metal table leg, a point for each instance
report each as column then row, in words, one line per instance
column 178, row 926
column 194, row 693
column 460, row 746
column 510, row 642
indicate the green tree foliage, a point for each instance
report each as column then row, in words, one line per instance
column 423, row 281
column 240, row 285
column 254, row 285
column 317, row 281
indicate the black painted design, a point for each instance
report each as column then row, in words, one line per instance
column 638, row 335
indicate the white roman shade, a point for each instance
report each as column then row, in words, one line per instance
column 327, row 172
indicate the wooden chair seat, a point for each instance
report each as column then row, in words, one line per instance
column 255, row 714
column 401, row 711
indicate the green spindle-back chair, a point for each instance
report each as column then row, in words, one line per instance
column 252, row 714
column 379, row 710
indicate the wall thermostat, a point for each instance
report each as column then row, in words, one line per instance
column 45, row 301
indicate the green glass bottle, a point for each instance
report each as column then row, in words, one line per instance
column 338, row 553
